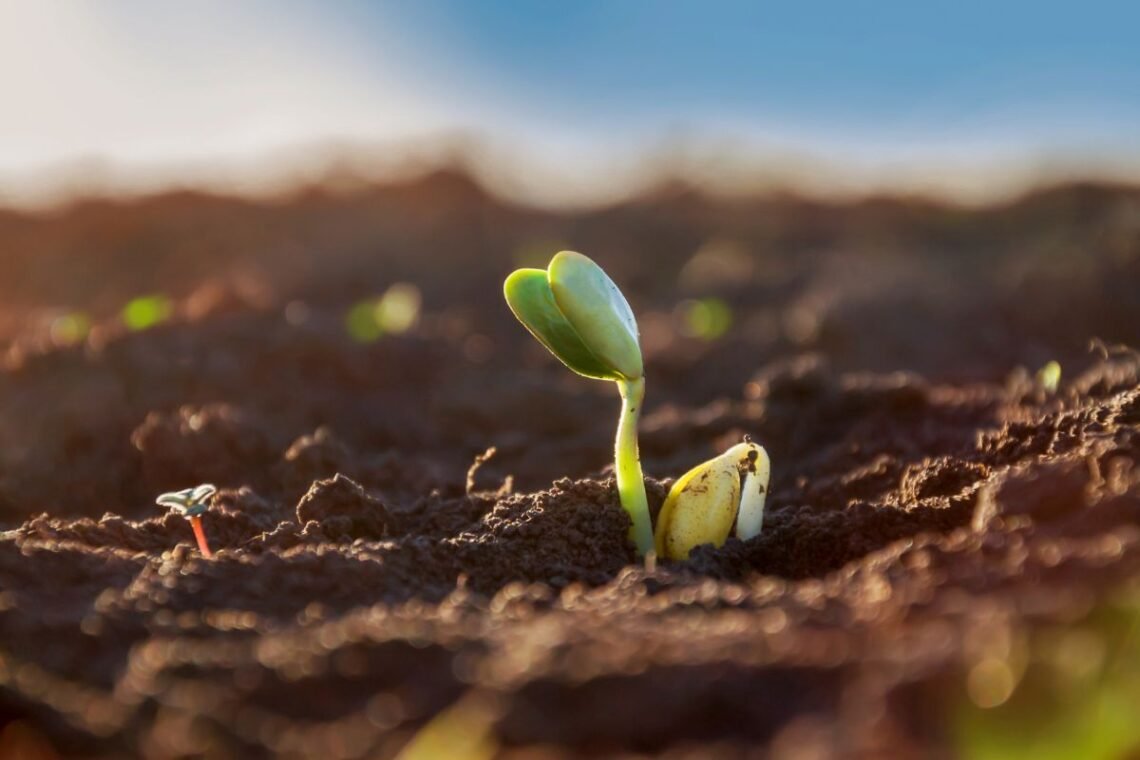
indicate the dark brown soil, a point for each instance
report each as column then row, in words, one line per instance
column 934, row 509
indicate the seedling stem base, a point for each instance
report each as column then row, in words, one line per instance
column 196, row 524
column 627, row 463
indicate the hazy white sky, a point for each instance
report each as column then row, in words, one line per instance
column 142, row 81
column 172, row 89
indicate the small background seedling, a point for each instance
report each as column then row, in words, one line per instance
column 191, row 503
column 1049, row 376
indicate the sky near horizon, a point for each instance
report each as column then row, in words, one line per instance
column 152, row 82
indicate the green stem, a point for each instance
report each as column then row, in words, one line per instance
column 627, row 465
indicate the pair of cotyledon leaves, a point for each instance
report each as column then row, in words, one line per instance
column 189, row 502
column 575, row 310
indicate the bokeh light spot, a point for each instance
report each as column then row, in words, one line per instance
column 705, row 318
column 146, row 311
column 70, row 329
column 398, row 309
column 361, row 322
column 990, row 682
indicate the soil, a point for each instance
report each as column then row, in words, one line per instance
column 380, row 577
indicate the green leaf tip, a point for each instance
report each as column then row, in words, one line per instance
column 576, row 311
column 531, row 300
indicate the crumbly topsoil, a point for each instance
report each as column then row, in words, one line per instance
column 935, row 512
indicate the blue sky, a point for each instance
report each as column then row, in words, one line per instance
column 901, row 69
column 140, row 83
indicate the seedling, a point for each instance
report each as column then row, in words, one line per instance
column 705, row 502
column 191, row 503
column 574, row 309
column 1049, row 376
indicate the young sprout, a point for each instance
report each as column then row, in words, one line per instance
column 705, row 502
column 1049, row 376
column 574, row 309
column 191, row 503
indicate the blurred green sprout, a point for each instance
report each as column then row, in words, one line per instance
column 705, row 318
column 394, row 313
column 1049, row 376
column 574, row 309
column 71, row 328
column 191, row 503
column 147, row 311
